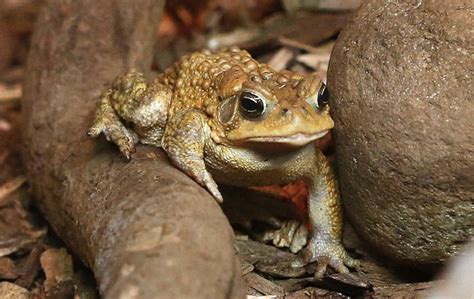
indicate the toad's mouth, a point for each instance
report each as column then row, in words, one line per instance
column 298, row 139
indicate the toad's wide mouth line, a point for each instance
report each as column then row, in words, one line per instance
column 295, row 139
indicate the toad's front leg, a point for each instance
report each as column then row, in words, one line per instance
column 184, row 139
column 325, row 216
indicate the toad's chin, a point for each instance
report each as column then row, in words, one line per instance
column 298, row 139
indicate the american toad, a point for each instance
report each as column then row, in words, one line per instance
column 224, row 117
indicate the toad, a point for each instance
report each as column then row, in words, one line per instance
column 223, row 117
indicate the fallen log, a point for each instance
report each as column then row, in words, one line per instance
column 143, row 227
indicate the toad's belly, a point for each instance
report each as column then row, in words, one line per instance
column 244, row 167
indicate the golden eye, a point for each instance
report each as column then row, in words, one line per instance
column 251, row 105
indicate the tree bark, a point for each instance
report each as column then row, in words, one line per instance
column 143, row 227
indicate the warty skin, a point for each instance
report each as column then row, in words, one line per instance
column 224, row 117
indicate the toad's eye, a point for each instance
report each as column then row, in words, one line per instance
column 321, row 99
column 251, row 105
column 323, row 96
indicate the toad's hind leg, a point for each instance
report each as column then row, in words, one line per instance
column 184, row 140
column 130, row 100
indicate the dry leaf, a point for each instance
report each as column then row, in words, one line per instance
column 12, row 291
column 281, row 59
column 7, row 269
column 315, row 61
column 10, row 186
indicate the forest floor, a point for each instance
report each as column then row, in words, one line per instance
column 33, row 260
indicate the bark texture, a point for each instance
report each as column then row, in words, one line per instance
column 145, row 228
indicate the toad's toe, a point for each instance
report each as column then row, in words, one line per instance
column 325, row 253
column 124, row 138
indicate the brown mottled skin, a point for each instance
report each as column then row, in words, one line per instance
column 225, row 117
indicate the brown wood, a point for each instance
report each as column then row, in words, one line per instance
column 145, row 228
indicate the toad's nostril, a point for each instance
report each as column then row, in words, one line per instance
column 285, row 112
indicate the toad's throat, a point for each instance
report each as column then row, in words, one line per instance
column 298, row 139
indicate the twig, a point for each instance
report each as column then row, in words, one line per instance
column 8, row 95
column 30, row 268
column 11, row 186
column 3, row 157
column 5, row 125
column 285, row 41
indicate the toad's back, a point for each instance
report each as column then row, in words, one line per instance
column 197, row 80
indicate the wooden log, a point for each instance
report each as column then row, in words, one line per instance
column 143, row 227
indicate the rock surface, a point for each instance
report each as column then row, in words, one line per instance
column 401, row 81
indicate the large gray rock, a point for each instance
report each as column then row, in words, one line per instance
column 401, row 81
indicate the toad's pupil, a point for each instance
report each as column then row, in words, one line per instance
column 251, row 104
column 323, row 96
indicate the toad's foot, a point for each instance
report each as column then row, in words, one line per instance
column 291, row 234
column 325, row 253
column 108, row 122
column 124, row 138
